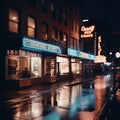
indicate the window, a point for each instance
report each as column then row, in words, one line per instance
column 54, row 33
column 44, row 31
column 23, row 64
column 71, row 42
column 65, row 19
column 16, row 66
column 72, row 24
column 53, row 11
column 75, row 43
column 60, row 35
column 43, row 6
column 58, row 14
column 65, row 37
column 31, row 27
column 35, row 67
column 13, row 20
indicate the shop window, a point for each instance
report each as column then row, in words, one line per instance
column 76, row 67
column 35, row 67
column 17, row 67
column 31, row 27
column 13, row 20
column 63, row 67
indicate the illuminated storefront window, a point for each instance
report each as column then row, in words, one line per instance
column 35, row 67
column 76, row 66
column 16, row 67
column 63, row 65
column 23, row 65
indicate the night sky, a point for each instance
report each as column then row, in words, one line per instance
column 116, row 15
column 93, row 9
column 98, row 10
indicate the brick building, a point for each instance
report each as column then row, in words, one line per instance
column 41, row 42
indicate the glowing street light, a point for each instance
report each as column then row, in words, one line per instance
column 117, row 54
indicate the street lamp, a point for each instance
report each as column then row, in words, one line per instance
column 117, row 54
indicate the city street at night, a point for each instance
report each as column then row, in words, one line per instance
column 73, row 100
column 59, row 60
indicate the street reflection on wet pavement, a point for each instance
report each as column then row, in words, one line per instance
column 82, row 101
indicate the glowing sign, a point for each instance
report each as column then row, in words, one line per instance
column 87, row 31
column 80, row 54
column 100, row 58
column 34, row 45
column 99, row 45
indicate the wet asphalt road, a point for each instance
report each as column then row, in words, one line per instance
column 83, row 101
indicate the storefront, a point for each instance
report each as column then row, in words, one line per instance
column 82, row 64
column 55, row 68
column 31, row 62
column 62, row 67
column 23, row 65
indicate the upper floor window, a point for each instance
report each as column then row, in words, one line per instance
column 72, row 42
column 58, row 14
column 75, row 43
column 60, row 35
column 72, row 24
column 54, row 33
column 65, row 19
column 53, row 11
column 13, row 20
column 43, row 6
column 31, row 27
column 65, row 37
column 44, row 31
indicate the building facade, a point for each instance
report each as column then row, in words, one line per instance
column 41, row 42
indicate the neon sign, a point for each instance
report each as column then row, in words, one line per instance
column 80, row 54
column 87, row 31
column 34, row 45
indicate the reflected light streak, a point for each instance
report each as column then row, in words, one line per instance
column 36, row 108
column 99, row 82
column 84, row 115
column 63, row 97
